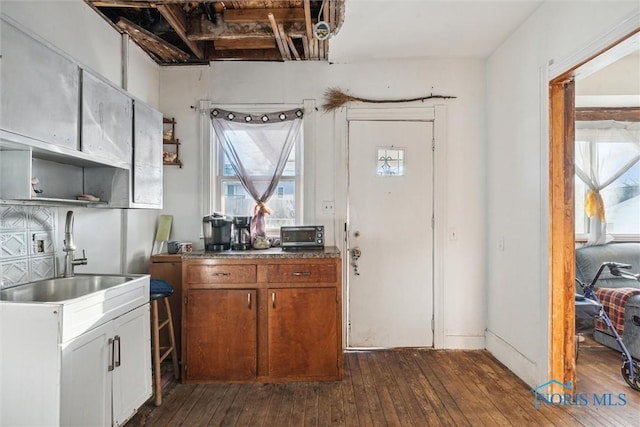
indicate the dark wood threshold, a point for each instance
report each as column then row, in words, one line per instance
column 409, row 387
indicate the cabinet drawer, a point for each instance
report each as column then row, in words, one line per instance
column 301, row 273
column 222, row 274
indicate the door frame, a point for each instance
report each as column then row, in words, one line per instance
column 409, row 112
column 561, row 92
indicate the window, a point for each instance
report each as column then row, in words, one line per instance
column 231, row 198
column 609, row 158
column 234, row 199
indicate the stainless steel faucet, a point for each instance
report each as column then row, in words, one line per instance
column 70, row 247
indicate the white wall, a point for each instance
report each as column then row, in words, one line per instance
column 291, row 83
column 79, row 32
column 517, row 170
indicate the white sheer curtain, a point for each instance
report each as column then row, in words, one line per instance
column 257, row 146
column 604, row 151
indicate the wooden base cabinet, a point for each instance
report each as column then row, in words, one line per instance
column 262, row 319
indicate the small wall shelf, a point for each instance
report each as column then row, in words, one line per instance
column 170, row 156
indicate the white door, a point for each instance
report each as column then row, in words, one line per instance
column 390, row 222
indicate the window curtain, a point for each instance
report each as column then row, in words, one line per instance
column 599, row 162
column 257, row 146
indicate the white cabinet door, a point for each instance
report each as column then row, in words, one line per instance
column 132, row 372
column 107, row 121
column 86, row 380
column 40, row 89
column 147, row 156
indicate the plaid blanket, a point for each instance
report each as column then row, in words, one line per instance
column 614, row 301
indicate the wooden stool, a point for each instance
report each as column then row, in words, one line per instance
column 161, row 291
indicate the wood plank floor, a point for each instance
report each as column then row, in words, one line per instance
column 402, row 388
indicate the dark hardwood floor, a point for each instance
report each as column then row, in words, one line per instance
column 403, row 388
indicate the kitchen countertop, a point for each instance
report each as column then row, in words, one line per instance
column 328, row 252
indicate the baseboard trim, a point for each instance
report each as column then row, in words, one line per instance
column 519, row 364
column 464, row 342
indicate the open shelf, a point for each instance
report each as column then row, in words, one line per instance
column 169, row 138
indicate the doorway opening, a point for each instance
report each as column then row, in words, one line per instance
column 562, row 242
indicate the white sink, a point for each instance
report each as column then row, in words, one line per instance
column 62, row 289
column 83, row 302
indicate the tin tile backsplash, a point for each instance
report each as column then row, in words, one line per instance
column 27, row 244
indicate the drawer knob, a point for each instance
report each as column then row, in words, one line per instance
column 221, row 274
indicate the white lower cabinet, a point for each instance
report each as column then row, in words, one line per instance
column 86, row 363
column 106, row 372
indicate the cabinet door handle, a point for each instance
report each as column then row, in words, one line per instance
column 111, row 355
column 301, row 273
column 248, row 299
column 221, row 274
column 118, row 360
column 273, row 299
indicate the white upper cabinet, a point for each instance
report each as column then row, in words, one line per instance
column 107, row 119
column 147, row 158
column 40, row 90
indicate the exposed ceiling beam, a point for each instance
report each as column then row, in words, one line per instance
column 247, row 16
column 307, row 25
column 122, row 3
column 252, row 43
column 245, row 55
column 175, row 16
column 622, row 114
column 152, row 43
column 237, row 31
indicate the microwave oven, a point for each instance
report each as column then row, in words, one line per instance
column 302, row 237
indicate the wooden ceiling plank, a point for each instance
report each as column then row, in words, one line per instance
column 249, row 43
column 152, row 43
column 296, row 55
column 305, row 47
column 308, row 27
column 247, row 16
column 283, row 37
column 176, row 17
column 284, row 51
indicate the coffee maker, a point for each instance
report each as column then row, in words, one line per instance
column 217, row 232
column 241, row 234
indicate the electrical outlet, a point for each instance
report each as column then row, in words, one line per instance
column 328, row 207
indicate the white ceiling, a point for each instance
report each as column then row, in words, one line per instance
column 394, row 29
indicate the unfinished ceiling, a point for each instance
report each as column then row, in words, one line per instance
column 187, row 32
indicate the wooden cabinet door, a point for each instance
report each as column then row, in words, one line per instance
column 302, row 333
column 221, row 335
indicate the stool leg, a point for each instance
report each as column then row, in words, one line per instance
column 157, row 377
column 172, row 341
